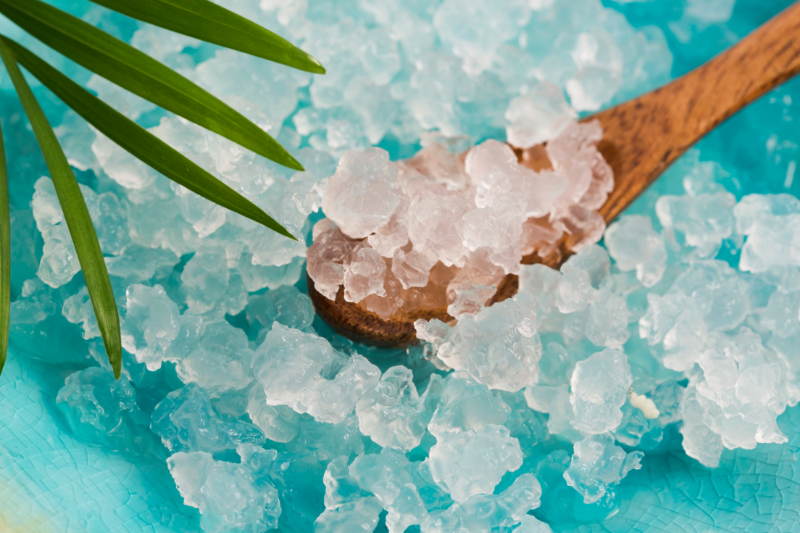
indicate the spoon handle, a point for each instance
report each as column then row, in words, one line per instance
column 644, row 136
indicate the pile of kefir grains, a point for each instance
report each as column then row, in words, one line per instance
column 675, row 326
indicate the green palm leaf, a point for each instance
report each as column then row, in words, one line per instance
column 75, row 213
column 142, row 144
column 209, row 22
column 5, row 256
column 137, row 72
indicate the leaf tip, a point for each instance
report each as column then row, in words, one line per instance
column 316, row 66
column 116, row 362
column 293, row 163
column 283, row 231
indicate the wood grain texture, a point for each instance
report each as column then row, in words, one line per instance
column 641, row 138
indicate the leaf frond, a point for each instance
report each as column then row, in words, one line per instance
column 76, row 214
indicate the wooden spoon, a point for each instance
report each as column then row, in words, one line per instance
column 641, row 138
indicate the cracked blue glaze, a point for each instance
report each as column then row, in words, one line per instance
column 751, row 491
column 52, row 483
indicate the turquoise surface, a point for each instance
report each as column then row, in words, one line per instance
column 50, row 482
